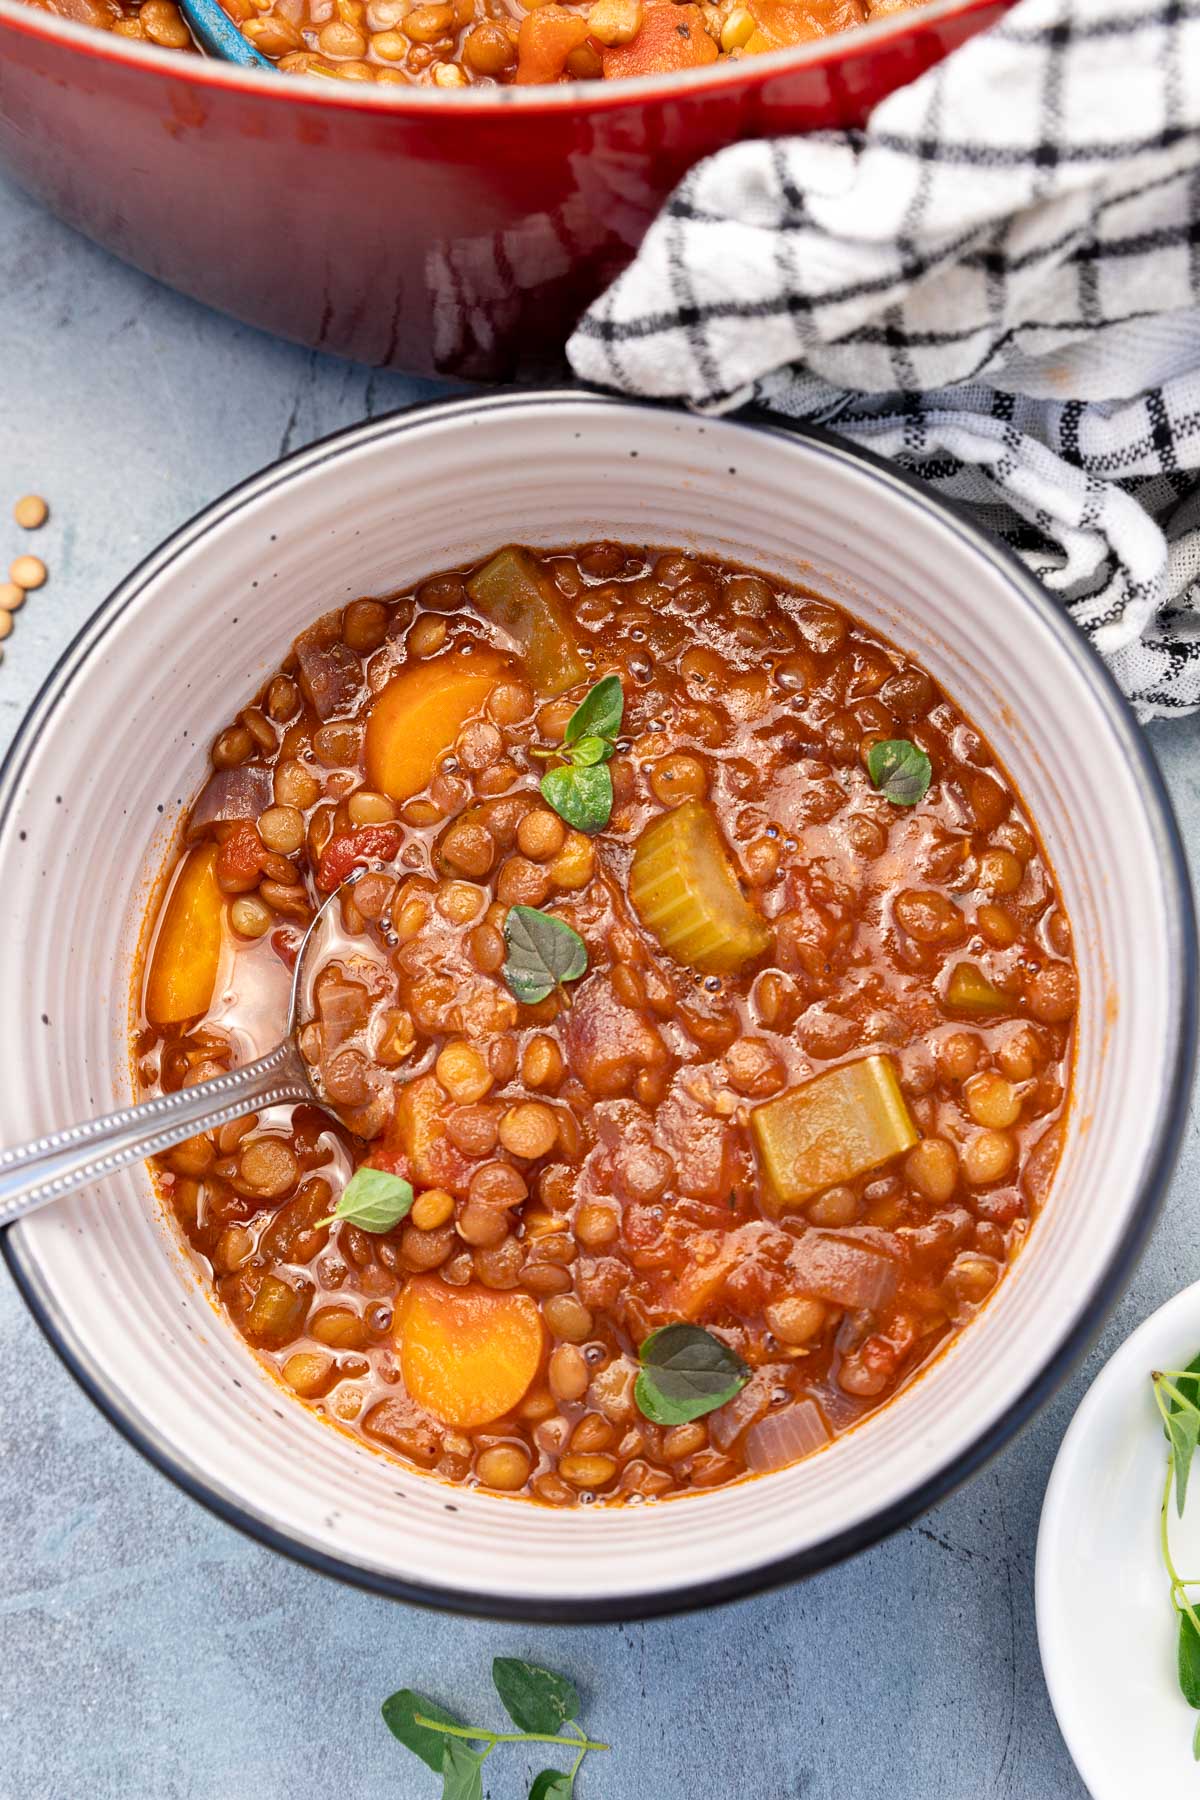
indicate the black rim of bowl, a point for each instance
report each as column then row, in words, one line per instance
column 1171, row 1110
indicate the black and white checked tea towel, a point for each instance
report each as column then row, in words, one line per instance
column 997, row 282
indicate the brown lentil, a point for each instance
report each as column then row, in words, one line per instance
column 504, row 1466
column 529, row 1131
column 463, row 1072
column 432, row 1208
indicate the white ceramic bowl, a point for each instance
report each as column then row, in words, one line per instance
column 117, row 743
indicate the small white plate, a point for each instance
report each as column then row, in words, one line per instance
column 1106, row 1626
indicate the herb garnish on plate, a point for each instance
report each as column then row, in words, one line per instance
column 686, row 1372
column 1177, row 1396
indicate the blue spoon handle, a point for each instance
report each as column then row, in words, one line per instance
column 215, row 30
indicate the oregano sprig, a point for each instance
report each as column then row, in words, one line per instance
column 1177, row 1396
column 373, row 1199
column 580, row 788
column 544, row 1707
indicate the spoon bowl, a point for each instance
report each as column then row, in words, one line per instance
column 49, row 1167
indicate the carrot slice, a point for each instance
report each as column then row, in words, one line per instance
column 469, row 1354
column 782, row 23
column 672, row 37
column 547, row 38
column 183, row 968
column 414, row 719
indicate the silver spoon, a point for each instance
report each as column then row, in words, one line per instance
column 31, row 1175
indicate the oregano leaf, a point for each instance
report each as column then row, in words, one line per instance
column 535, row 1699
column 544, row 1707
column 543, row 952
column 1183, row 1430
column 373, row 1199
column 581, row 796
column 900, row 771
column 552, row 1784
column 686, row 1372
column 590, row 750
column 599, row 713
column 1181, row 1421
column 462, row 1771
column 1188, row 1660
column 399, row 1715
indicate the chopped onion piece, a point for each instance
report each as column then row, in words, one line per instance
column 345, row 1008
column 784, row 1437
column 330, row 674
column 230, row 794
column 729, row 1421
column 844, row 1274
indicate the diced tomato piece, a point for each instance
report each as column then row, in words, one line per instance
column 672, row 37
column 641, row 1225
column 700, row 1146
column 608, row 1044
column 419, row 1123
column 285, row 942
column 391, row 1161
column 701, row 1282
column 368, row 843
column 239, row 860
column 547, row 38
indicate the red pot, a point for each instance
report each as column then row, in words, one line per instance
column 457, row 234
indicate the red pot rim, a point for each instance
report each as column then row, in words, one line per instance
column 206, row 72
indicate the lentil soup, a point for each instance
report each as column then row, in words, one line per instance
column 465, row 43
column 699, row 1024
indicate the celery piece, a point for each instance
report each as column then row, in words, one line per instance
column 685, row 890
column 514, row 594
column 832, row 1128
column 969, row 990
column 277, row 1313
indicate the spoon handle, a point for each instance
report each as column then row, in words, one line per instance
column 49, row 1167
column 213, row 28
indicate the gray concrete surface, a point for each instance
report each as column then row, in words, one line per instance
column 148, row 1652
